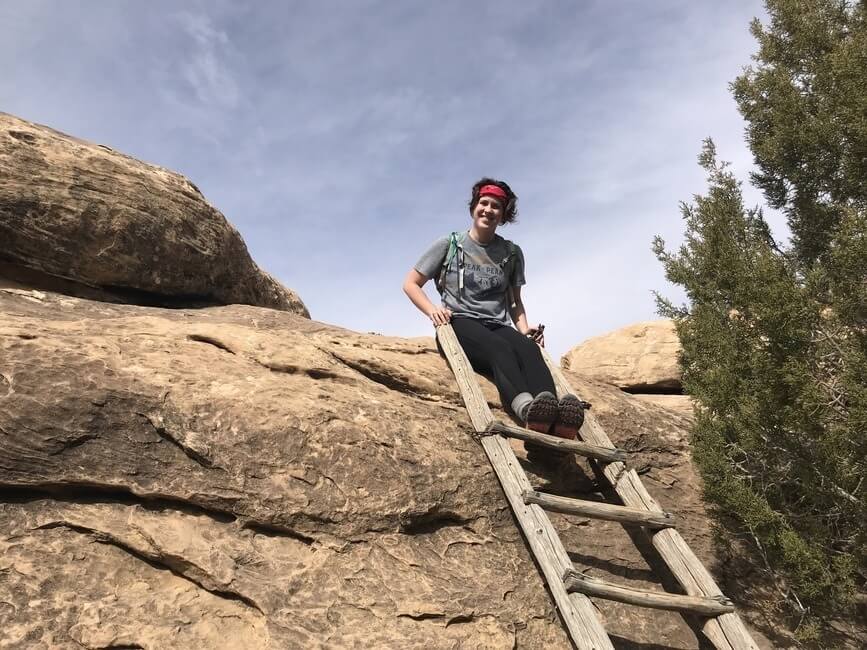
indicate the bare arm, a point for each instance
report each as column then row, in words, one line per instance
column 517, row 312
column 519, row 318
column 412, row 287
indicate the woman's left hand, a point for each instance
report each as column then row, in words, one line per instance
column 537, row 334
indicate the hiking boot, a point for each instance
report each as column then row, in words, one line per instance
column 541, row 413
column 571, row 417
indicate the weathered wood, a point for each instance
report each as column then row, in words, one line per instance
column 580, row 616
column 474, row 398
column 560, row 444
column 604, row 511
column 576, row 610
column 727, row 631
column 576, row 581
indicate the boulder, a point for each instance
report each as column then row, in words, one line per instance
column 639, row 358
column 242, row 477
column 82, row 213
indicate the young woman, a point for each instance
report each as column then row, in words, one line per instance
column 479, row 275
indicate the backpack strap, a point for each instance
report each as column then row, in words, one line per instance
column 511, row 257
column 455, row 248
column 508, row 265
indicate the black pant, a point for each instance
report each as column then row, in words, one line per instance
column 510, row 358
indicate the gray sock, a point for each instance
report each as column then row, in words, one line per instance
column 520, row 404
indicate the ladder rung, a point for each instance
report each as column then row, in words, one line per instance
column 608, row 512
column 577, row 581
column 606, row 454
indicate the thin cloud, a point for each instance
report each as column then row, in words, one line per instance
column 207, row 69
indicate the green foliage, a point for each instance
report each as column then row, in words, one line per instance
column 804, row 102
column 775, row 338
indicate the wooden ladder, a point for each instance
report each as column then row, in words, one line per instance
column 571, row 588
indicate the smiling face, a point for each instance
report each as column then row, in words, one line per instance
column 488, row 213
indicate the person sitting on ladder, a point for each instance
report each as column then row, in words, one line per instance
column 479, row 276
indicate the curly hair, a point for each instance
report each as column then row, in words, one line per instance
column 510, row 210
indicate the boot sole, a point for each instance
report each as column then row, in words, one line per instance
column 570, row 419
column 542, row 413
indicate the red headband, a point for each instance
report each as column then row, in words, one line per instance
column 493, row 190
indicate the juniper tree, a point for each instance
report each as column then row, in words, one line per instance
column 774, row 337
column 805, row 103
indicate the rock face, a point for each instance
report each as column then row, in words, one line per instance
column 84, row 213
column 242, row 477
column 639, row 358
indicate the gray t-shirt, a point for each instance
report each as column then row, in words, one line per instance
column 485, row 282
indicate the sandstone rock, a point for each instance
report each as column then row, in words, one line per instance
column 194, row 478
column 242, row 477
column 637, row 358
column 85, row 213
column 683, row 405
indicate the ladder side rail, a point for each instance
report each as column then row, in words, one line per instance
column 726, row 631
column 579, row 614
column 576, row 610
column 471, row 392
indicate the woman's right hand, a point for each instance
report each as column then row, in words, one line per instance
column 440, row 316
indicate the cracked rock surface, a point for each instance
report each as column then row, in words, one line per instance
column 243, row 477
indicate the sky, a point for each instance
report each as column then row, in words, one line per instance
column 342, row 137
